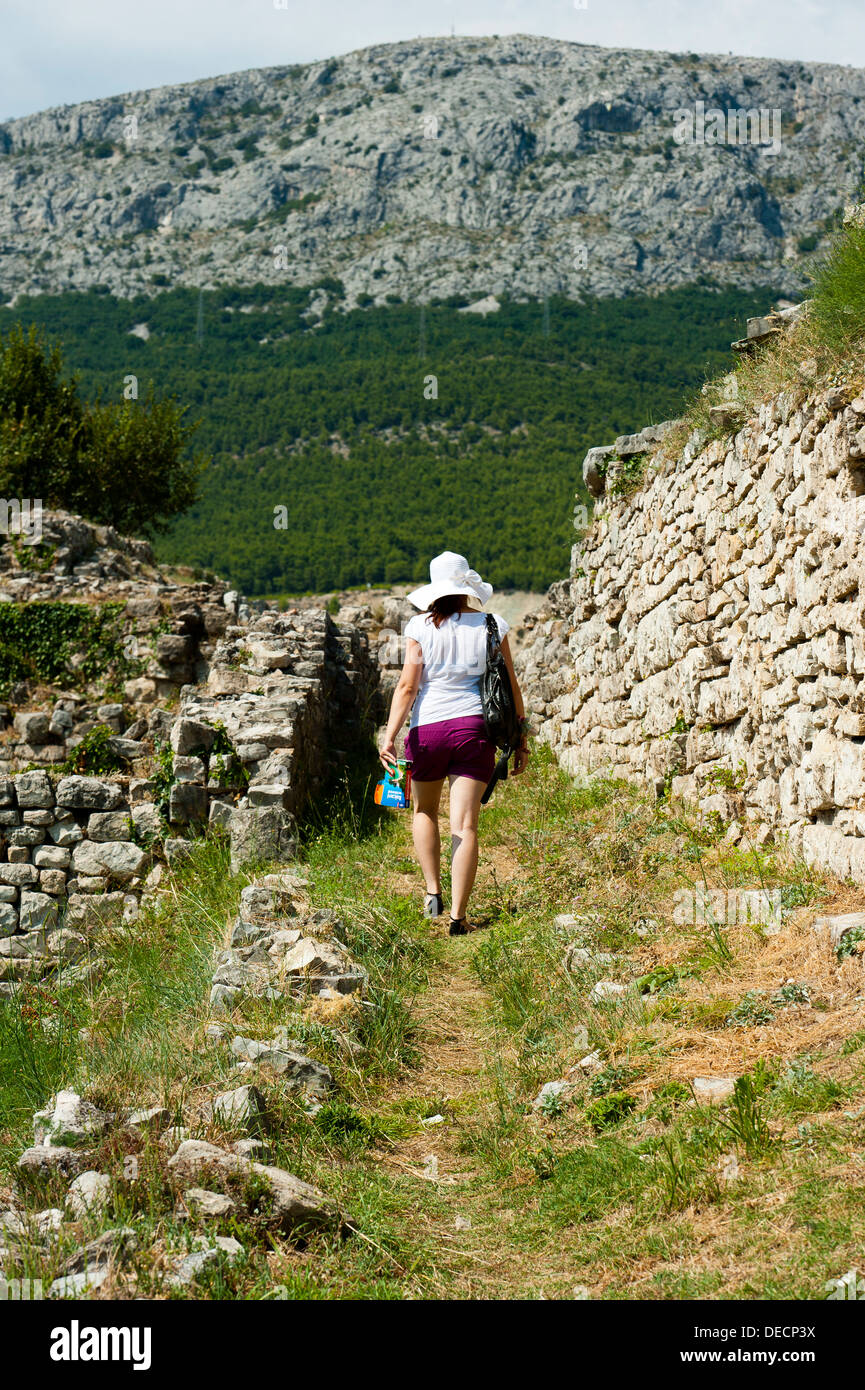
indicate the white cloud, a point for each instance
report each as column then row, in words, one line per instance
column 54, row 52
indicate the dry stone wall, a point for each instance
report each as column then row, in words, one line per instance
column 163, row 632
column 293, row 694
column 258, row 714
column 711, row 637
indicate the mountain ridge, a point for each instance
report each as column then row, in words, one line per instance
column 433, row 167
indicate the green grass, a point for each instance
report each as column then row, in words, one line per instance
column 137, row 1039
column 616, row 1186
column 823, row 349
column 837, row 313
column 625, row 1168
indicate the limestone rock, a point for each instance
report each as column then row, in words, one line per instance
column 713, row 1090
column 242, row 1108
column 837, row 927
column 45, row 1159
column 299, row 1070
column 121, row 860
column 33, row 789
column 525, row 156
column 263, row 834
column 88, row 1194
column 153, row 1119
column 606, row 990
column 78, row 1285
column 213, row 1205
column 294, row 1204
column 38, row 912
column 207, row 1252
column 88, row 794
column 549, row 1093
column 67, row 1119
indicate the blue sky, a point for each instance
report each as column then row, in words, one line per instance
column 54, row 51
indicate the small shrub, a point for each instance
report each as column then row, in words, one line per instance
column 849, row 942
column 746, row 1122
column 791, row 994
column 612, row 1077
column 94, row 755
column 610, row 1110
column 750, row 1012
column 340, row 1124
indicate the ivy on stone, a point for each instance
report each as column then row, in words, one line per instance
column 38, row 641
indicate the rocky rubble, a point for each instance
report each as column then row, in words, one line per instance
column 277, row 951
column 272, row 948
column 710, row 639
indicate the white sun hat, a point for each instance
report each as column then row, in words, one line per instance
column 450, row 574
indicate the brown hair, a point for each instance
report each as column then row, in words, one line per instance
column 444, row 607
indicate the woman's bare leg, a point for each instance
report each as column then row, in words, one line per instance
column 466, row 793
column 425, row 831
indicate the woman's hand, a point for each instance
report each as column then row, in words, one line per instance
column 387, row 755
column 521, row 760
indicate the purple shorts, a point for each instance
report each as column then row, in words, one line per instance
column 451, row 748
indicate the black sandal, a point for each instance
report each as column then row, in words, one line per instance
column 458, row 927
column 433, row 905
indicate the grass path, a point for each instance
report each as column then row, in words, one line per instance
column 621, row 1192
column 621, row 1187
column 472, row 1223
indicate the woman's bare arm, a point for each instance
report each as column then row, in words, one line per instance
column 403, row 699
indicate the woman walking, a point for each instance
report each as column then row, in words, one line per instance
column 446, row 646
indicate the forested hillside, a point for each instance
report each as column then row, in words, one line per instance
column 335, row 417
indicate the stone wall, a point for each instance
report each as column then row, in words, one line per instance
column 165, row 633
column 72, row 848
column 271, row 707
column 295, row 694
column 711, row 637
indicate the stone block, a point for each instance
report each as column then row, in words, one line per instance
column 120, row 860
column 38, row 911
column 51, row 857
column 88, row 794
column 262, row 834
column 33, row 789
column 187, row 802
column 188, row 735
column 108, row 825
column 32, row 728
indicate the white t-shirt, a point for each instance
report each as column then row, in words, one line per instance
column 454, row 659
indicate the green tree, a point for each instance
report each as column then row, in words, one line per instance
column 133, row 471
column 125, row 465
column 41, row 418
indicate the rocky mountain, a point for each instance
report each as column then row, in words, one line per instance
column 435, row 167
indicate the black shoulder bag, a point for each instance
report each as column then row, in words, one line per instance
column 501, row 721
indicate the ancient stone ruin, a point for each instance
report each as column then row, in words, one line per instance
column 225, row 713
